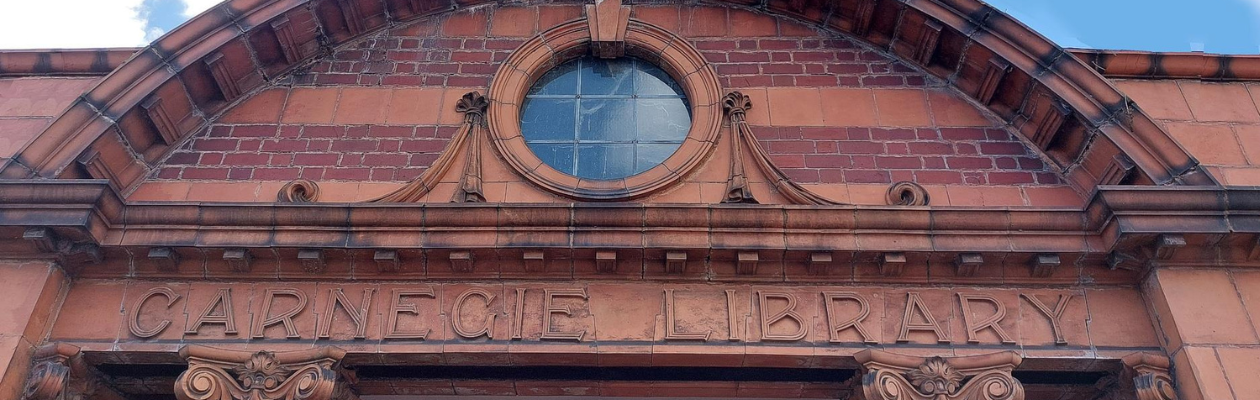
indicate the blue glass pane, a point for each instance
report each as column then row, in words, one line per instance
column 606, row 120
column 605, row 161
column 607, row 77
column 662, row 120
column 558, row 156
column 649, row 155
column 561, row 80
column 650, row 80
column 548, row 119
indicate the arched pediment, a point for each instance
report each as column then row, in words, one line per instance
column 123, row 127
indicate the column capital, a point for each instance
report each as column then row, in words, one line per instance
column 889, row 376
column 218, row 374
column 59, row 373
column 1149, row 372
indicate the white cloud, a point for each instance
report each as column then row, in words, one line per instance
column 72, row 23
column 194, row 7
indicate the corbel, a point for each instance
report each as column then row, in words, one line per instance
column 534, row 260
column 929, row 35
column 1167, row 244
column 161, row 119
column 313, row 260
column 353, row 16
column 58, row 372
column 239, row 259
column 675, row 262
column 461, row 261
column 387, row 261
column 46, row 240
column 1123, row 260
column 608, row 21
column 967, row 264
column 889, row 376
column 287, row 39
column 746, row 262
column 96, row 167
column 1119, row 169
column 223, row 76
column 1044, row 265
column 819, row 263
column 1254, row 253
column 892, row 264
column 312, row 374
column 862, row 17
column 166, row 259
column 1150, row 377
column 993, row 74
column 606, row 262
column 1050, row 122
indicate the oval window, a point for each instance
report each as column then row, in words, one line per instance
column 605, row 119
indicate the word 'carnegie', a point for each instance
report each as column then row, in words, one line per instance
column 475, row 312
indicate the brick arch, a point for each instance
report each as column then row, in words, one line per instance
column 122, row 127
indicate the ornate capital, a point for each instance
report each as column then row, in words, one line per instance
column 1151, row 380
column 216, row 374
column 891, row 376
column 59, row 374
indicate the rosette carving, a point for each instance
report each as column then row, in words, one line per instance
column 736, row 106
column 215, row 374
column 895, row 377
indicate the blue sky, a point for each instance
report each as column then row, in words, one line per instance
column 1214, row 26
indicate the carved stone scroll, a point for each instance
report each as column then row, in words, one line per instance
column 736, row 105
column 216, row 374
column 468, row 141
column 891, row 376
column 59, row 373
column 1151, row 380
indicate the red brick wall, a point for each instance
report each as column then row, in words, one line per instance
column 828, row 109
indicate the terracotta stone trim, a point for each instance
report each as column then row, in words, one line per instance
column 735, row 105
column 59, row 372
column 313, row 374
column 890, row 376
column 571, row 40
column 76, row 62
column 467, row 143
column 1149, row 375
column 1171, row 65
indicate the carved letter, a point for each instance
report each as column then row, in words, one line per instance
column 263, row 320
column 359, row 315
column 788, row 312
column 990, row 322
column 518, row 320
column 396, row 308
column 207, row 316
column 487, row 327
column 134, row 322
column 732, row 319
column 671, row 325
column 1059, row 308
column 856, row 322
column 550, row 310
column 915, row 304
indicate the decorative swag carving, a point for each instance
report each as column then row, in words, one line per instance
column 736, row 106
column 216, row 374
column 468, row 141
column 891, row 376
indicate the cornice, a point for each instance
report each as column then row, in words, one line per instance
column 62, row 62
column 1171, row 65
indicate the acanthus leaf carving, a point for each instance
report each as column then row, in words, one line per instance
column 736, row 105
column 215, row 374
column 897, row 377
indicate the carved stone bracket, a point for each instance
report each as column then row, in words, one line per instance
column 891, row 376
column 67, row 252
column 608, row 20
column 1149, row 374
column 736, row 105
column 467, row 142
column 58, row 373
column 216, row 374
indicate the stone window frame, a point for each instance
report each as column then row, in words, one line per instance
column 571, row 40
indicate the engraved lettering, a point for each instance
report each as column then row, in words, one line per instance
column 358, row 315
column 732, row 319
column 457, row 321
column 788, row 312
column 550, row 310
column 855, row 322
column 518, row 318
column 914, row 305
column 207, row 316
column 134, row 322
column 1055, row 316
column 264, row 318
column 671, row 325
column 990, row 322
column 397, row 308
